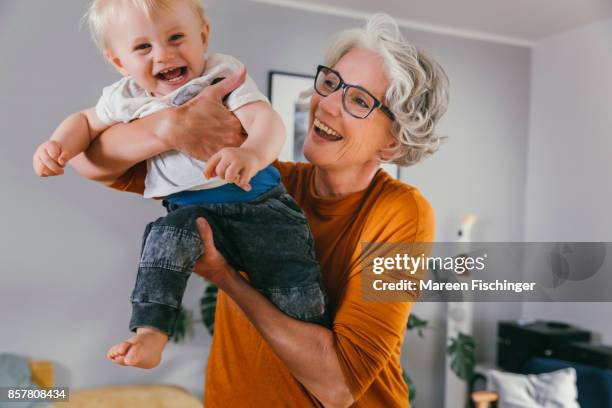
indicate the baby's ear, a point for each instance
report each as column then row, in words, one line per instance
column 205, row 33
column 115, row 61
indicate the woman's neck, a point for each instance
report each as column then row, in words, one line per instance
column 329, row 182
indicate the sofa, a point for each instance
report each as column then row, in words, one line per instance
column 117, row 396
column 594, row 384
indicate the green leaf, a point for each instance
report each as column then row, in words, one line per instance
column 410, row 385
column 414, row 322
column 184, row 325
column 461, row 349
column 208, row 307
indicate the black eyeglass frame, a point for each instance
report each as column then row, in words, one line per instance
column 344, row 86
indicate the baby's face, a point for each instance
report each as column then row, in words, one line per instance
column 161, row 53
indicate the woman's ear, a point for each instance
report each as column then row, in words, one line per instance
column 391, row 150
column 115, row 62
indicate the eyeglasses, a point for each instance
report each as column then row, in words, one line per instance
column 356, row 100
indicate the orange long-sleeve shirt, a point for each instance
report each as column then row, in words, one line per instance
column 242, row 369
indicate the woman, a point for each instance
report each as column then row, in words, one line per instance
column 377, row 98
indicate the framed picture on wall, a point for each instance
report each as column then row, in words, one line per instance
column 290, row 96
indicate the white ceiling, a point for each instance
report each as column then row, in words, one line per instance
column 522, row 22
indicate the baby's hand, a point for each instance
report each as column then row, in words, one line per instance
column 234, row 164
column 49, row 159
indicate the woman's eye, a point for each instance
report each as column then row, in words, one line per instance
column 141, row 47
column 362, row 103
column 176, row 37
column 329, row 84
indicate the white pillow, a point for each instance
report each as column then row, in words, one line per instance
column 556, row 389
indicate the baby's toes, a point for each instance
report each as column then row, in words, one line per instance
column 118, row 350
column 119, row 360
column 133, row 356
column 122, row 348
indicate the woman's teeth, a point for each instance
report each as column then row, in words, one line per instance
column 331, row 133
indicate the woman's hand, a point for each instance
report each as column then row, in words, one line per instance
column 212, row 266
column 306, row 349
column 198, row 128
column 203, row 125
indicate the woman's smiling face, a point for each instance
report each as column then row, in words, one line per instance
column 335, row 138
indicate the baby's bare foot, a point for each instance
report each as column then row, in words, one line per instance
column 144, row 350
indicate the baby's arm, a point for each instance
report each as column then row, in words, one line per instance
column 71, row 138
column 266, row 135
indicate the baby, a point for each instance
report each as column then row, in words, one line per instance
column 159, row 46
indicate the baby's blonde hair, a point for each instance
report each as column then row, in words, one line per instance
column 101, row 12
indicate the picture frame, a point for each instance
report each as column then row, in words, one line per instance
column 289, row 94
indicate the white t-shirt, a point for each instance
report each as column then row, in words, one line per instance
column 173, row 171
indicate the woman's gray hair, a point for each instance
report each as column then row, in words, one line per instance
column 418, row 86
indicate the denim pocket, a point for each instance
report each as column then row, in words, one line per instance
column 303, row 303
column 171, row 248
column 285, row 205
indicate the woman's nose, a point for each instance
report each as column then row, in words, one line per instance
column 332, row 103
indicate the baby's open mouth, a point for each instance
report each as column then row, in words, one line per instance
column 326, row 132
column 172, row 74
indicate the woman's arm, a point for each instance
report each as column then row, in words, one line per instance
column 307, row 350
column 198, row 128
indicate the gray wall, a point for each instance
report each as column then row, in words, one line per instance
column 570, row 145
column 70, row 246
